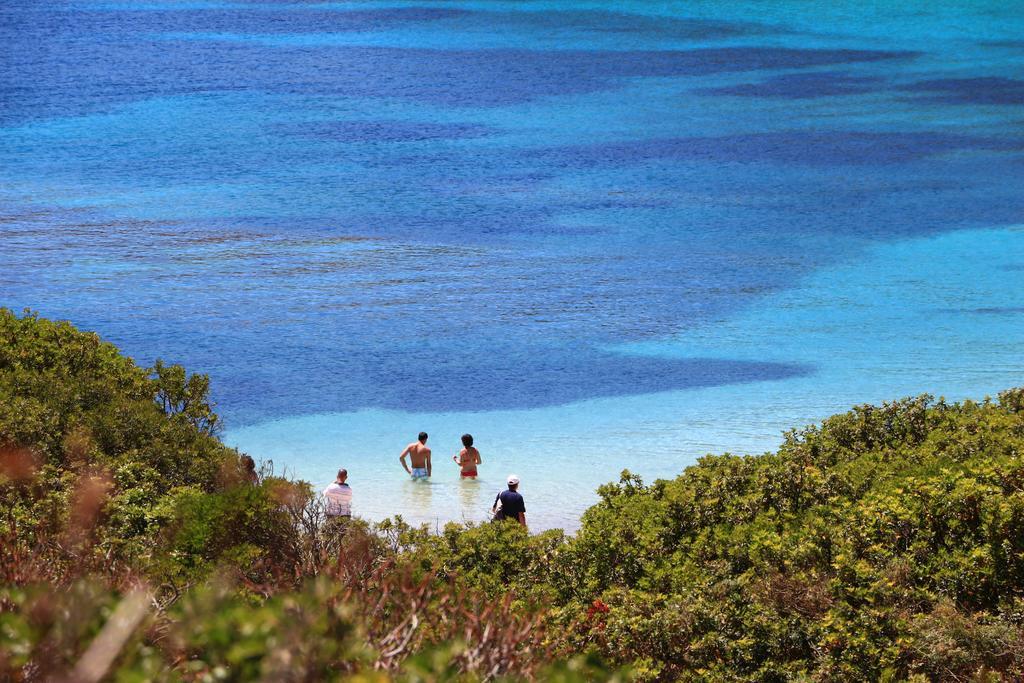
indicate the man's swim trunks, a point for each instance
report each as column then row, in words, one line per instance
column 419, row 473
column 471, row 473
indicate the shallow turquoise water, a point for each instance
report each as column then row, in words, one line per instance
column 907, row 318
column 596, row 235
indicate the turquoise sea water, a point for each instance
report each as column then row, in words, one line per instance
column 904, row 319
column 596, row 235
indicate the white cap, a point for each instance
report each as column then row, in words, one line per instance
column 513, row 479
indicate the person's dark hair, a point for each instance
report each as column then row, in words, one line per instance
column 467, row 440
column 423, row 437
column 342, row 473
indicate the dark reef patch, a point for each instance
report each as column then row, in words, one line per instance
column 802, row 86
column 385, row 131
column 51, row 71
column 824, row 148
column 1012, row 44
column 982, row 90
column 501, row 77
column 620, row 23
column 998, row 310
column 530, row 377
column 524, row 377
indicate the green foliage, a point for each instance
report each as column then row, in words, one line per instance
column 243, row 526
column 300, row 635
column 101, row 440
column 886, row 543
column 494, row 558
column 832, row 558
column 385, row 626
column 77, row 402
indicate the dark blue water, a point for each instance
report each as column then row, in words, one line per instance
column 465, row 206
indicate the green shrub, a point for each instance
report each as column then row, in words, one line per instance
column 101, row 440
column 820, row 559
column 886, row 543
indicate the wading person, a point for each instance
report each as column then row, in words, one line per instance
column 338, row 496
column 419, row 456
column 509, row 504
column 468, row 458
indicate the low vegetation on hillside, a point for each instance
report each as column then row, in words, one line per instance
column 886, row 543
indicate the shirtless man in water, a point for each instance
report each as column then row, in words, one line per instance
column 419, row 454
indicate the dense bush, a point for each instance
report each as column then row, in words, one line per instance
column 886, row 543
column 84, row 424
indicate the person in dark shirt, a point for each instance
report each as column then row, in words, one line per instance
column 512, row 504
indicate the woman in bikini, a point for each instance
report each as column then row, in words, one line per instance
column 468, row 458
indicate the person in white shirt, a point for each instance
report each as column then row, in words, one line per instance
column 338, row 495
